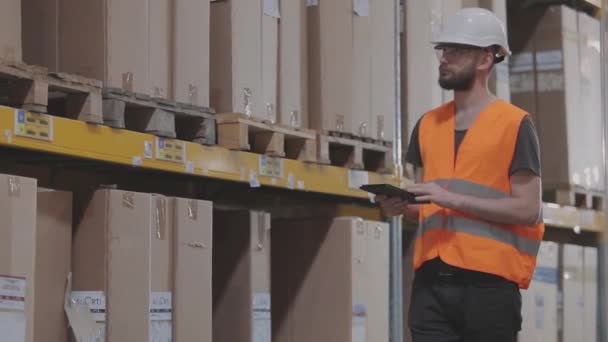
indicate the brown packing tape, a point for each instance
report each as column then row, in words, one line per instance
column 128, row 200
column 160, row 216
column 380, row 132
column 263, row 226
column 193, row 210
column 193, row 94
column 14, row 186
column 127, row 81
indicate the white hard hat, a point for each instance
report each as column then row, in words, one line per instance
column 476, row 27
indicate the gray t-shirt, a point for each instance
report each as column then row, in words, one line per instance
column 526, row 156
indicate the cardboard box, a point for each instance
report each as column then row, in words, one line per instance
column 539, row 301
column 362, row 75
column 191, row 39
column 41, row 41
column 236, row 56
column 565, row 100
column 590, row 271
column 383, row 70
column 192, row 262
column 378, row 280
column 122, row 263
column 270, row 59
column 320, row 280
column 423, row 22
column 293, row 68
column 106, row 40
column 160, row 38
column 573, row 292
column 17, row 256
column 10, row 31
column 330, row 58
column 53, row 247
column 241, row 276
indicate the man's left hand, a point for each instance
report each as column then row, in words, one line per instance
column 434, row 193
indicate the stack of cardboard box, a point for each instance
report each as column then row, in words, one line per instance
column 539, row 301
column 562, row 298
column 144, row 263
column 10, row 31
column 35, row 235
column 155, row 47
column 555, row 76
column 352, row 67
column 244, row 55
column 330, row 280
column 241, row 277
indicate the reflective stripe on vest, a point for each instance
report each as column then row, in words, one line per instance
column 475, row 227
column 481, row 229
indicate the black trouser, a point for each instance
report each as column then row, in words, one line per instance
column 452, row 304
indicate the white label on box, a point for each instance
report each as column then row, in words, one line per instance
column 550, row 81
column 549, row 60
column 291, row 181
column 361, row 7
column 521, row 83
column 12, row 326
column 261, row 317
column 95, row 300
column 161, row 315
column 523, row 62
column 359, row 323
column 160, row 331
column 311, row 3
column 12, row 293
column 539, row 310
column 357, row 178
column 12, row 309
column 271, row 8
column 160, row 306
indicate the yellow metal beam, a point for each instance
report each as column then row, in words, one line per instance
column 78, row 139
column 81, row 140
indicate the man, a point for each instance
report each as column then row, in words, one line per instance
column 477, row 162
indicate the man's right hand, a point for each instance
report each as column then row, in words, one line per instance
column 391, row 206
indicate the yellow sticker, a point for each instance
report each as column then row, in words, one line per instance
column 33, row 125
column 170, row 150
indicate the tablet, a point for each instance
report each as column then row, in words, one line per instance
column 391, row 191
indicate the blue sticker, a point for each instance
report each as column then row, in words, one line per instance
column 21, row 116
column 545, row 274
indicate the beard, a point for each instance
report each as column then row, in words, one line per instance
column 462, row 81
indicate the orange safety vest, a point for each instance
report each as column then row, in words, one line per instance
column 481, row 169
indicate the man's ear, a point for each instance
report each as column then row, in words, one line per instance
column 486, row 61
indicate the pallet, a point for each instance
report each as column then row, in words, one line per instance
column 356, row 137
column 35, row 89
column 354, row 153
column 574, row 196
column 161, row 117
column 239, row 132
